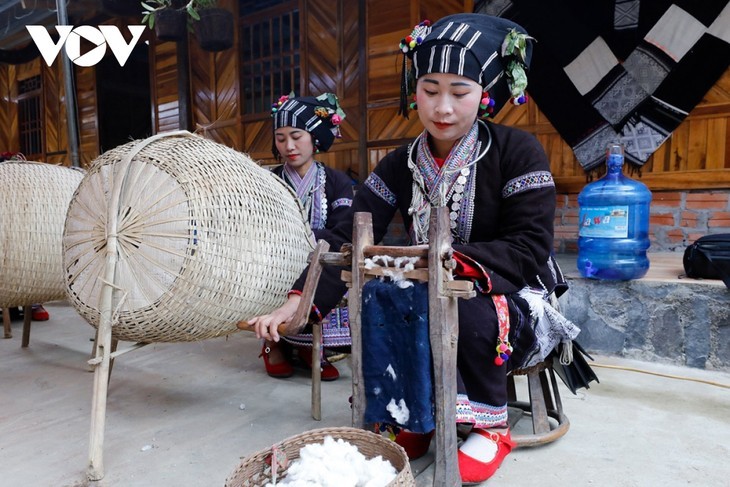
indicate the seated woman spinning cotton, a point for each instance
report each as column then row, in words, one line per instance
column 497, row 184
column 304, row 127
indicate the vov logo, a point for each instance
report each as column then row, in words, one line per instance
column 70, row 38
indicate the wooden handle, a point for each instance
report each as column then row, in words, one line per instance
column 283, row 328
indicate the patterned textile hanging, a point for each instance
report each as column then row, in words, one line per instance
column 624, row 71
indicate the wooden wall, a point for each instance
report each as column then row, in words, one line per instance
column 164, row 87
column 55, row 132
column 9, row 109
column 334, row 65
column 331, row 37
column 387, row 23
column 215, row 99
column 351, row 49
column 86, row 102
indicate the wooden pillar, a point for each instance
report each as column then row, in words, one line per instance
column 185, row 118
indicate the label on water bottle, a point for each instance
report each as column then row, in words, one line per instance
column 604, row 222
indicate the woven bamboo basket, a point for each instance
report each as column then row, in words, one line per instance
column 33, row 203
column 255, row 470
column 201, row 237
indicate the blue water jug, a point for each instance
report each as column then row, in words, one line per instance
column 613, row 234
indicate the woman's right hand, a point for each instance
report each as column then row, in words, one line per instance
column 267, row 326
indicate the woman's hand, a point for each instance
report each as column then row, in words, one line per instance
column 267, row 326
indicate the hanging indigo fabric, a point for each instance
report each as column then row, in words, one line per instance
column 396, row 355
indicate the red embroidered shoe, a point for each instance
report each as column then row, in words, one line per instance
column 281, row 370
column 415, row 444
column 474, row 471
column 329, row 372
column 39, row 313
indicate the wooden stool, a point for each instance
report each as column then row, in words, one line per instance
column 544, row 404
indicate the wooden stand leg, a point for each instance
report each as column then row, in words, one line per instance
column 544, row 408
column 443, row 330
column 95, row 469
column 538, row 409
column 556, row 392
column 115, row 342
column 92, row 367
column 27, row 317
column 102, row 363
column 6, row 323
column 93, row 351
column 316, row 372
column 300, row 318
column 362, row 236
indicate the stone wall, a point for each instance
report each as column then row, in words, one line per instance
column 683, row 323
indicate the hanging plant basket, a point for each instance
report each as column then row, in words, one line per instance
column 214, row 30
column 170, row 24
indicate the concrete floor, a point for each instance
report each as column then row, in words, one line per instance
column 184, row 414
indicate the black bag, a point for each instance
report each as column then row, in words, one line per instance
column 709, row 258
column 578, row 373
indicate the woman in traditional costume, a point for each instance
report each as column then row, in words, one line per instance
column 497, row 184
column 303, row 127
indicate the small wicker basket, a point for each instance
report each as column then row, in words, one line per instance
column 255, row 470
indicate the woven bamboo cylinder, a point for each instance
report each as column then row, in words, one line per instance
column 204, row 236
column 34, row 197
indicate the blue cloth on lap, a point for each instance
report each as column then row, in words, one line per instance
column 397, row 355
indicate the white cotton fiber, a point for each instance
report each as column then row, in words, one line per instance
column 399, row 411
column 391, row 372
column 336, row 463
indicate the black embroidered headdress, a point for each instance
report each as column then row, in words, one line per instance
column 492, row 51
column 320, row 116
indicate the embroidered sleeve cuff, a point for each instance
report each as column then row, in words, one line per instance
column 378, row 186
column 315, row 316
column 341, row 202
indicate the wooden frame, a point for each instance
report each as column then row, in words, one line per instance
column 443, row 292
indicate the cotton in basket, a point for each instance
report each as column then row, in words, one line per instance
column 204, row 238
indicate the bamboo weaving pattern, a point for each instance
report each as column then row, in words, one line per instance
column 205, row 238
column 33, row 203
